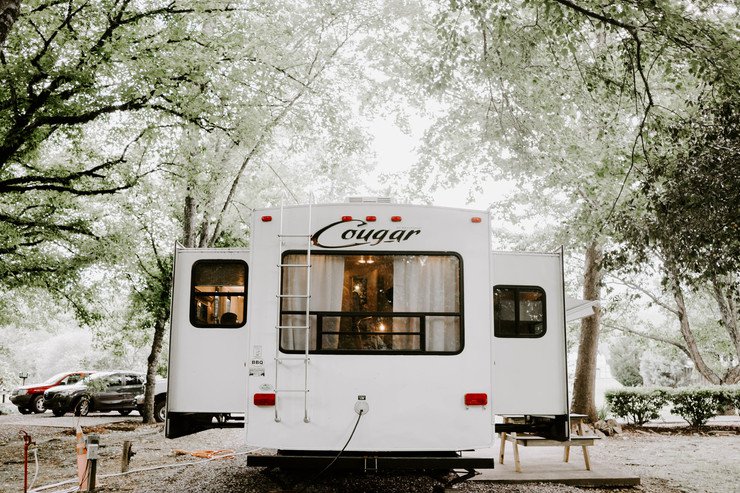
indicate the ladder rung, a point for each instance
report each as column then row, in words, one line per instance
column 294, row 265
column 291, row 326
column 291, row 390
column 295, row 236
column 294, row 296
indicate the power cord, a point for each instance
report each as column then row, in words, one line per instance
column 313, row 480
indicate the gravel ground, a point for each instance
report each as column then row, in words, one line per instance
column 667, row 463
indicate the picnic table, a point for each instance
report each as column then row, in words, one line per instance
column 578, row 437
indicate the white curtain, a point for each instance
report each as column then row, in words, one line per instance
column 327, row 283
column 428, row 284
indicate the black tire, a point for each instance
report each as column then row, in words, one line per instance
column 58, row 412
column 160, row 410
column 82, row 408
column 125, row 412
column 37, row 404
column 24, row 410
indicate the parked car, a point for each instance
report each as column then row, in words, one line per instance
column 30, row 398
column 160, row 400
column 102, row 391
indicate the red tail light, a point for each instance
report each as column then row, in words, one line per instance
column 264, row 399
column 476, row 399
column 266, row 219
column 371, row 219
column 346, row 218
column 396, row 219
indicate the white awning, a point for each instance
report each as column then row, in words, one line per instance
column 577, row 309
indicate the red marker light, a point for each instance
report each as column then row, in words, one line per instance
column 266, row 219
column 476, row 399
column 371, row 219
column 346, row 218
column 475, row 219
column 396, row 219
column 264, row 399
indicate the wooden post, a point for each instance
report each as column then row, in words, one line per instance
column 126, row 455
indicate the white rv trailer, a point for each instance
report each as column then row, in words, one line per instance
column 393, row 320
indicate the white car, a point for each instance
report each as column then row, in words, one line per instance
column 160, row 400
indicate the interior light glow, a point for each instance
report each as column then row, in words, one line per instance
column 381, row 327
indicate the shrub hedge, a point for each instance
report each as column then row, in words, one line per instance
column 696, row 405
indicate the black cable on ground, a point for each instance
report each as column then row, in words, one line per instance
column 313, row 480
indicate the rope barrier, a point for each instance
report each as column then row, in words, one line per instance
column 146, row 469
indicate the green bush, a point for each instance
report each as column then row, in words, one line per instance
column 732, row 396
column 697, row 404
column 636, row 404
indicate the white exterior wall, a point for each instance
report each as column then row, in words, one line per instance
column 530, row 374
column 416, row 402
column 207, row 371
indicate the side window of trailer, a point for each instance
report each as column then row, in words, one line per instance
column 519, row 311
column 377, row 303
column 218, row 294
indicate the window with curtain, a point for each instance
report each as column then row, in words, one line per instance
column 373, row 303
column 518, row 311
column 218, row 295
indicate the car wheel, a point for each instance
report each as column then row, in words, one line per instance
column 124, row 412
column 160, row 411
column 58, row 412
column 83, row 407
column 37, row 404
column 24, row 410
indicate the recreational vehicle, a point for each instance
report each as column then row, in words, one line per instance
column 388, row 332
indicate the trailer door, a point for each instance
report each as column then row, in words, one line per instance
column 530, row 370
column 208, row 339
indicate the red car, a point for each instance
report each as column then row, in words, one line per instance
column 30, row 398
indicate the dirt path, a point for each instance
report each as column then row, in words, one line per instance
column 666, row 464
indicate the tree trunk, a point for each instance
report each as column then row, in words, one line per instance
column 686, row 333
column 188, row 223
column 584, row 385
column 151, row 366
column 725, row 293
column 9, row 12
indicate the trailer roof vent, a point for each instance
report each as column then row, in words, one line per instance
column 370, row 200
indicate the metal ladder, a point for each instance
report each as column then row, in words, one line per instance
column 306, row 327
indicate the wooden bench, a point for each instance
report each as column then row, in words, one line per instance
column 579, row 439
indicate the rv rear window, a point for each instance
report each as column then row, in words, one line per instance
column 218, row 294
column 518, row 311
column 378, row 303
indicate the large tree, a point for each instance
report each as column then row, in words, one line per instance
column 86, row 88
column 560, row 97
